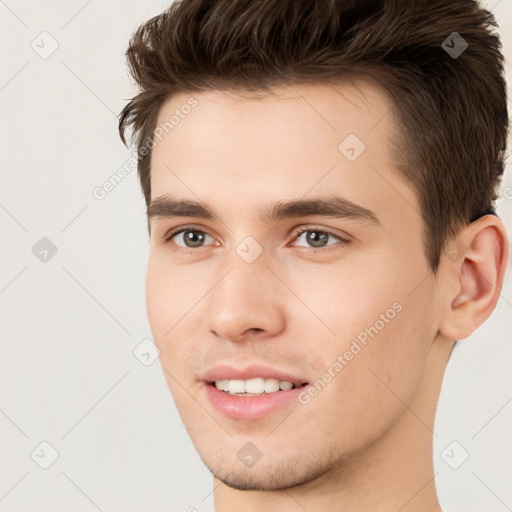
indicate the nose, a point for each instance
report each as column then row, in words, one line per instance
column 248, row 302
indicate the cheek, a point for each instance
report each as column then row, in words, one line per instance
column 162, row 313
column 380, row 329
column 388, row 369
column 348, row 296
column 170, row 292
column 164, row 309
column 372, row 381
column 173, row 297
column 157, row 295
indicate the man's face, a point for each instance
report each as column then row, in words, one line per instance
column 346, row 310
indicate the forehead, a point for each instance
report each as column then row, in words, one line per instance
column 298, row 140
column 314, row 112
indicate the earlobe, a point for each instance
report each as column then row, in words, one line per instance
column 479, row 275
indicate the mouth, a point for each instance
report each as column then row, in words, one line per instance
column 257, row 386
column 251, row 393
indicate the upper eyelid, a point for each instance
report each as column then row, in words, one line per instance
column 175, row 231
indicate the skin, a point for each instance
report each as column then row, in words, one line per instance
column 364, row 443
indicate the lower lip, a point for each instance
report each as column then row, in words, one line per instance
column 250, row 407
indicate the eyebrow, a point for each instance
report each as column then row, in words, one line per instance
column 331, row 206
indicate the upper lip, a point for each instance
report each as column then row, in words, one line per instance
column 253, row 371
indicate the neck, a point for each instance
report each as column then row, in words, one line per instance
column 395, row 473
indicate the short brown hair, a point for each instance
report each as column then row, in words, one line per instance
column 451, row 110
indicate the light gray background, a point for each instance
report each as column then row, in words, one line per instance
column 69, row 326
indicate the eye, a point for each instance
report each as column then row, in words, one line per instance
column 190, row 238
column 318, row 238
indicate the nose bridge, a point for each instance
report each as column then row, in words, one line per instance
column 247, row 265
column 246, row 297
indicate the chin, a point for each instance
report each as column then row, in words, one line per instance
column 273, row 475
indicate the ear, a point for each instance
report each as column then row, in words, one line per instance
column 475, row 263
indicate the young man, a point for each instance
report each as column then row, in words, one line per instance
column 320, row 180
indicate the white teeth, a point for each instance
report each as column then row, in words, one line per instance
column 236, row 386
column 222, row 384
column 255, row 386
column 271, row 385
column 285, row 386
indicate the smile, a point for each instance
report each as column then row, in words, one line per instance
column 253, row 387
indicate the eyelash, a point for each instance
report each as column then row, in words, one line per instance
column 167, row 238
